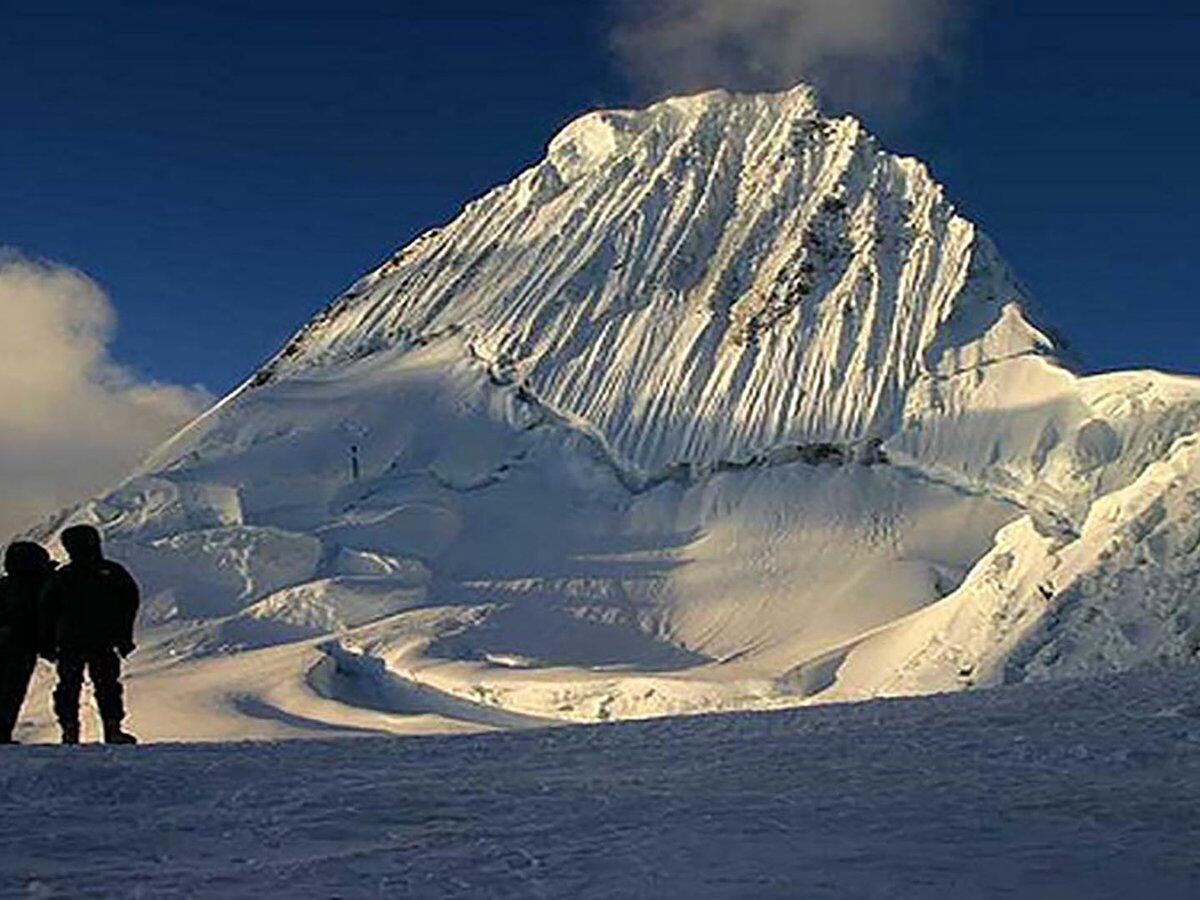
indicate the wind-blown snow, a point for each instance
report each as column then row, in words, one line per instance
column 720, row 406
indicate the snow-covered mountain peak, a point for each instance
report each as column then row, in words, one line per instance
column 597, row 135
column 701, row 280
column 718, row 406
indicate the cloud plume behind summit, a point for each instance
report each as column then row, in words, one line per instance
column 861, row 54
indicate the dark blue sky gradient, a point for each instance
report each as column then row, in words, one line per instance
column 223, row 169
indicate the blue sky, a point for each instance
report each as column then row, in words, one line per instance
column 223, row 169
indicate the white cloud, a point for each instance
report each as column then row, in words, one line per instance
column 861, row 54
column 72, row 421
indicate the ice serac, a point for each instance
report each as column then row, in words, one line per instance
column 704, row 280
column 718, row 406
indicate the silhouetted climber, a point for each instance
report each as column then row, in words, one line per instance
column 27, row 567
column 86, row 615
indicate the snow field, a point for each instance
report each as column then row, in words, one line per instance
column 1072, row 789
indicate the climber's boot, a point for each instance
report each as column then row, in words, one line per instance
column 114, row 735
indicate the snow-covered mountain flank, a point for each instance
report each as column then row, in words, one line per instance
column 719, row 406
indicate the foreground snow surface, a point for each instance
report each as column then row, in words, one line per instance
column 1071, row 789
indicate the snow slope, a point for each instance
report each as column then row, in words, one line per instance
column 720, row 406
column 1075, row 789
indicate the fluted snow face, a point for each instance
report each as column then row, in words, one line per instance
column 700, row 281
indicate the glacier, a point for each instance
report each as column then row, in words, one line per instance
column 720, row 406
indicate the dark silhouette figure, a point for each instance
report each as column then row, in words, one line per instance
column 27, row 567
column 86, row 615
